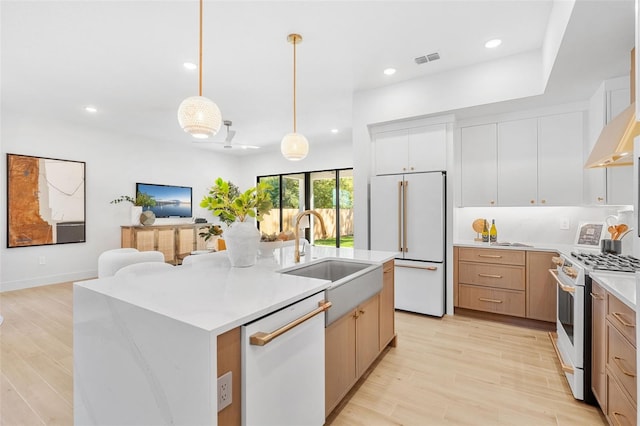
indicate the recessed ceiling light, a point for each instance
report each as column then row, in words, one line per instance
column 334, row 130
column 390, row 71
column 190, row 66
column 492, row 44
column 91, row 109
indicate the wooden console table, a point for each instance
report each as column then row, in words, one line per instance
column 174, row 241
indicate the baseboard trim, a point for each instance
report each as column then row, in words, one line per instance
column 48, row 280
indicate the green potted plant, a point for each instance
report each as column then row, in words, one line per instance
column 211, row 234
column 142, row 200
column 234, row 208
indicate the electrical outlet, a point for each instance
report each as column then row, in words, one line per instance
column 224, row 390
column 564, row 223
column 42, row 260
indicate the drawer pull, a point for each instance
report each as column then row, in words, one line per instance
column 618, row 361
column 619, row 317
column 490, row 276
column 596, row 296
column 484, row 299
column 490, row 256
column 615, row 416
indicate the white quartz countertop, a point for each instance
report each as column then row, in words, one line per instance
column 514, row 245
column 217, row 297
column 623, row 286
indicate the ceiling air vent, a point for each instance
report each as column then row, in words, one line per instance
column 427, row 58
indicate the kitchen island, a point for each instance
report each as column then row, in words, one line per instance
column 146, row 346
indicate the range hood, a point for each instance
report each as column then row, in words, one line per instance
column 615, row 143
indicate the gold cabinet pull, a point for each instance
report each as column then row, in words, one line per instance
column 618, row 361
column 260, row 338
column 484, row 299
column 490, row 276
column 615, row 416
column 490, row 256
column 619, row 317
column 400, row 215
column 404, row 219
column 596, row 296
column 566, row 368
column 566, row 288
column 431, row 268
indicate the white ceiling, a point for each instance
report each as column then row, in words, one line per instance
column 125, row 57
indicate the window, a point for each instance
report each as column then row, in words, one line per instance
column 329, row 192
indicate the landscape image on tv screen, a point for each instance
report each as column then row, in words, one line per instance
column 170, row 200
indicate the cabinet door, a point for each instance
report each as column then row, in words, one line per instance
column 387, row 307
column 145, row 240
column 166, row 241
column 560, row 140
column 340, row 359
column 367, row 333
column 479, row 165
column 186, row 241
column 518, row 162
column 427, row 149
column 391, row 152
column 598, row 342
column 541, row 287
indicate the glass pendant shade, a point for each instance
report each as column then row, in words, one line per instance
column 199, row 116
column 294, row 146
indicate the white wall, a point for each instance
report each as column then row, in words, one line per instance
column 114, row 163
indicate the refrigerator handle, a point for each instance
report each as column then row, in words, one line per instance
column 404, row 216
column 400, row 216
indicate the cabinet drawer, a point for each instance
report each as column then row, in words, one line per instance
column 621, row 360
column 506, row 302
column 620, row 410
column 485, row 255
column 508, row 277
column 622, row 317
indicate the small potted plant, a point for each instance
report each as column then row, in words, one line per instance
column 142, row 200
column 234, row 208
column 211, row 235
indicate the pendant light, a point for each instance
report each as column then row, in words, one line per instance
column 294, row 146
column 197, row 115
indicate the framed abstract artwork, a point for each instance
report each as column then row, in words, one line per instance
column 45, row 201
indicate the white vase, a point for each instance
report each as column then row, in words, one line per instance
column 242, row 240
column 136, row 211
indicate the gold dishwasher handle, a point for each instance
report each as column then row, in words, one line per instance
column 563, row 287
column 260, row 338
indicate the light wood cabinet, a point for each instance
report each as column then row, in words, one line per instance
column 479, row 165
column 352, row 343
column 174, row 241
column 541, row 287
column 505, row 281
column 229, row 359
column 599, row 344
column 387, row 306
column 419, row 149
column 613, row 357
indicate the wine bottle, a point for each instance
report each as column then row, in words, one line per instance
column 485, row 232
column 493, row 232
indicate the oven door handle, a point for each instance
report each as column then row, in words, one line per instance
column 566, row 288
column 554, row 342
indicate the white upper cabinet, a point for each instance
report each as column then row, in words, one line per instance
column 518, row 162
column 612, row 185
column 534, row 161
column 479, row 165
column 419, row 149
column 560, row 159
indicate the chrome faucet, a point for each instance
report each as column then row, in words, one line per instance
column 296, row 254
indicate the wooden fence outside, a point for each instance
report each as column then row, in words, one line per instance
column 270, row 223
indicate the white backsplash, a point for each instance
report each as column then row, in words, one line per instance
column 536, row 224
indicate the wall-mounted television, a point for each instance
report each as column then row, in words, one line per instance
column 171, row 201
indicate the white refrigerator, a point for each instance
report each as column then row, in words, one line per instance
column 407, row 215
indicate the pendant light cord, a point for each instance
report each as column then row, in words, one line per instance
column 295, row 41
column 200, row 57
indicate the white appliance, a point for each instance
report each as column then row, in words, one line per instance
column 283, row 366
column 407, row 214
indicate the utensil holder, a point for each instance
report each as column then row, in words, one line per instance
column 611, row 246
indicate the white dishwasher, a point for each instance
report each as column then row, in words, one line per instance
column 283, row 366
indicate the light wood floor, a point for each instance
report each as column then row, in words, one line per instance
column 450, row 371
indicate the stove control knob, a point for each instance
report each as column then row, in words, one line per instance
column 557, row 260
column 571, row 272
